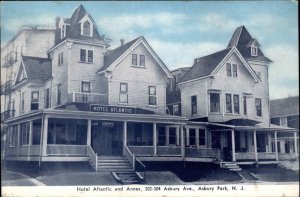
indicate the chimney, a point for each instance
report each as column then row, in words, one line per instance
column 122, row 41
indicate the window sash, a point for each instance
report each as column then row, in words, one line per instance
column 202, row 137
column 176, row 110
column 134, row 59
column 123, row 96
column 86, row 28
column 22, row 102
column 142, row 60
column 258, row 107
column 234, row 70
column 90, row 56
column 194, row 104
column 228, row 69
column 58, row 94
column 85, row 86
column 47, row 98
column 214, row 102
column 228, row 103
column 245, row 105
column 82, row 55
column 236, row 104
column 192, row 137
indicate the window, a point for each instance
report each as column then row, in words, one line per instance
column 214, row 102
column 86, row 28
column 142, row 60
column 36, row 133
column 63, row 31
column 283, row 121
column 152, row 95
column 85, row 86
column 202, row 137
column 34, row 100
column 192, row 137
column 258, row 106
column 134, row 59
column 58, row 94
column 82, row 55
column 161, row 136
column 228, row 103
column 47, row 98
column 234, row 70
column 254, row 50
column 22, row 101
column 13, row 136
column 228, row 69
column 176, row 110
column 194, row 104
column 245, row 105
column 236, row 104
column 60, row 59
column 172, row 136
column 90, row 56
column 25, row 134
column 123, row 98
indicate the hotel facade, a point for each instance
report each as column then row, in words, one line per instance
column 67, row 97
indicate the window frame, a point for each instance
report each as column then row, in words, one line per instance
column 34, row 101
column 152, row 95
column 210, row 102
column 90, row 56
column 123, row 93
column 60, row 59
column 258, row 110
column 228, row 104
column 142, row 62
column 83, row 83
column 201, row 137
column 24, row 134
column 194, row 105
column 254, row 50
column 228, row 70
column 173, row 110
column 236, row 110
column 134, row 59
column 22, row 102
column 84, row 30
column 245, row 105
column 58, row 95
column 82, row 55
column 234, row 70
column 47, row 98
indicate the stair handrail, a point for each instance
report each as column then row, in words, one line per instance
column 95, row 156
column 134, row 159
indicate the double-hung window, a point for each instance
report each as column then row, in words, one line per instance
column 228, row 69
column 86, row 56
column 142, row 60
column 123, row 98
column 47, row 98
column 86, row 28
column 194, row 104
column 176, row 110
column 228, row 103
column 86, row 86
column 22, row 101
column 58, row 100
column 258, row 107
column 214, row 102
column 34, row 100
column 245, row 105
column 24, row 133
column 60, row 59
column 236, row 104
column 134, row 59
column 234, row 70
column 152, row 95
column 232, row 104
column 231, row 70
column 202, row 137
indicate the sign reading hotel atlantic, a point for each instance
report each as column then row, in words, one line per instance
column 118, row 109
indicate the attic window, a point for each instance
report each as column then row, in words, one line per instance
column 253, row 50
column 63, row 31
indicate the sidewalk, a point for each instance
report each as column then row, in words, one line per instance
column 9, row 178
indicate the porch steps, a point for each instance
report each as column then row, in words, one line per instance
column 247, row 176
column 113, row 164
column 127, row 178
column 231, row 166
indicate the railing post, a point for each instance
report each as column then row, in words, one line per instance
column 154, row 139
column 96, row 162
column 295, row 144
column 182, row 142
column 124, row 136
column 233, row 144
column 73, row 96
column 255, row 145
column 133, row 161
column 89, row 132
column 45, row 136
column 276, row 147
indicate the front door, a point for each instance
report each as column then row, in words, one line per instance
column 107, row 138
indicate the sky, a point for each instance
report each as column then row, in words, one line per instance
column 181, row 31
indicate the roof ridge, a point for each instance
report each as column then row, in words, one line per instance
column 126, row 44
column 214, row 53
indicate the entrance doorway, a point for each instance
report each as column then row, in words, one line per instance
column 107, row 138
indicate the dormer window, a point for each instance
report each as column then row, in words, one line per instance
column 86, row 28
column 253, row 50
column 63, row 31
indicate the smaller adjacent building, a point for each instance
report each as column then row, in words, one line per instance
column 285, row 112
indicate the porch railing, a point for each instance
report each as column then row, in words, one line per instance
column 202, row 152
column 66, row 149
column 245, row 156
column 11, row 151
column 136, row 164
column 266, row 156
column 287, row 156
column 141, row 150
column 83, row 97
column 169, row 150
column 33, row 150
column 93, row 157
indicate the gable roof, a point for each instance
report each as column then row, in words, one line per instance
column 242, row 40
column 113, row 57
column 284, row 107
column 204, row 66
column 37, row 68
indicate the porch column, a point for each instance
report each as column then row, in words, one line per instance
column 182, row 141
column 154, row 139
column 18, row 140
column 233, row 144
column 45, row 136
column 295, row 143
column 30, row 132
column 177, row 136
column 167, row 135
column 255, row 145
column 89, row 132
column 197, row 137
column 187, row 136
column 276, row 148
column 124, row 136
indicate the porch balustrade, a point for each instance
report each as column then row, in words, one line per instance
column 11, row 151
column 202, row 152
column 245, row 156
column 287, row 156
column 33, row 150
column 83, row 97
column 66, row 149
column 169, row 150
column 141, row 150
column 266, row 156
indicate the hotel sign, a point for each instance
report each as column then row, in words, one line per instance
column 113, row 109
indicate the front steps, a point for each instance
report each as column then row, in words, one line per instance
column 231, row 166
column 113, row 164
column 127, row 178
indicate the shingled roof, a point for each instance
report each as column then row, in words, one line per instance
column 205, row 65
column 111, row 55
column 37, row 68
column 284, row 107
column 242, row 40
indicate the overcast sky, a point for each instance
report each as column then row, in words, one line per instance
column 182, row 31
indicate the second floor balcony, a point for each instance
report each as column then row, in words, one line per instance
column 83, row 97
